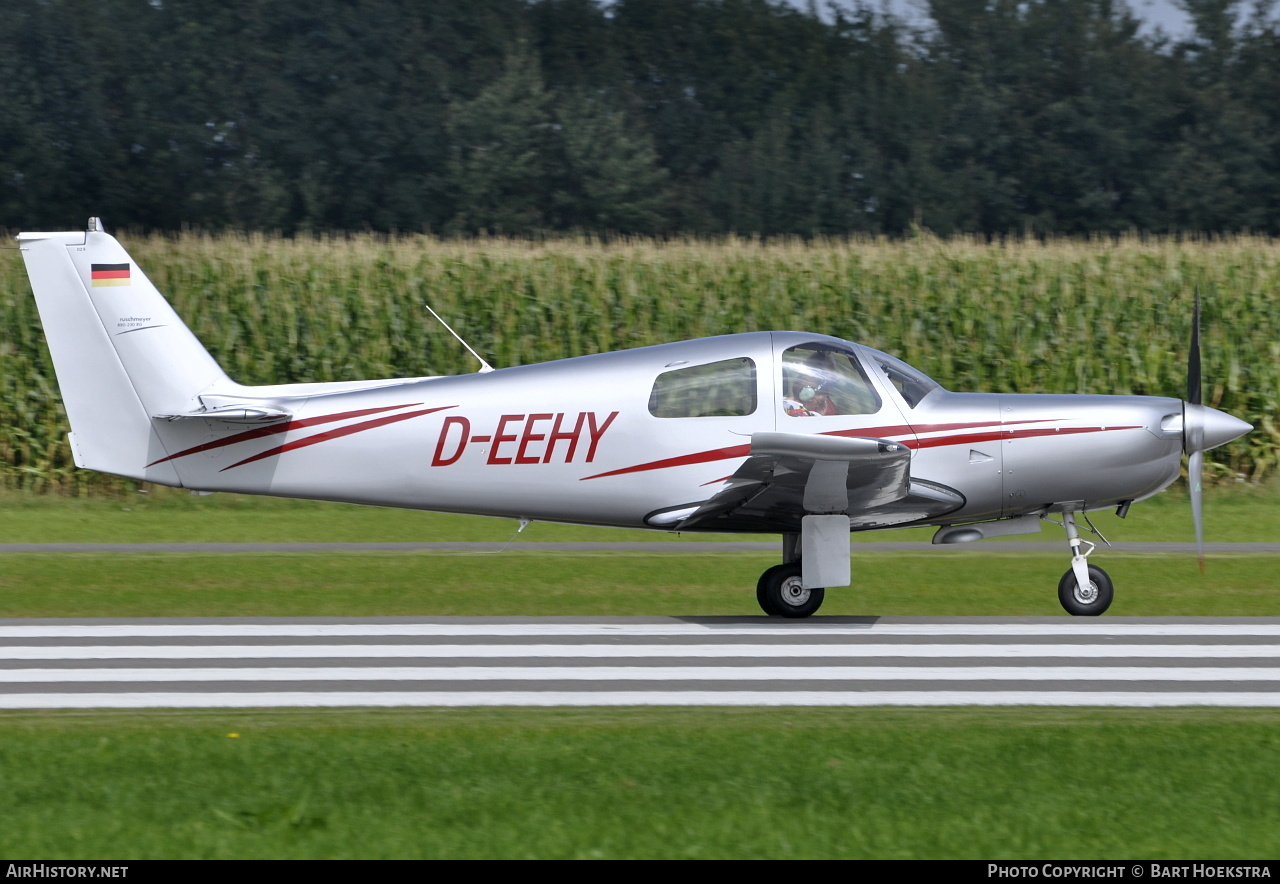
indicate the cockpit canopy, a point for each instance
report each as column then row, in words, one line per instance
column 824, row 377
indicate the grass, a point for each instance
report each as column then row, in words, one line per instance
column 1233, row 512
column 642, row 784
column 165, row 516
column 933, row 583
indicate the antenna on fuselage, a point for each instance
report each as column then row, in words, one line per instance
column 484, row 366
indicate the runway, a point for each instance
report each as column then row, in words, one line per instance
column 597, row 661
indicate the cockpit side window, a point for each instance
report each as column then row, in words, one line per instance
column 717, row 389
column 914, row 385
column 821, row 380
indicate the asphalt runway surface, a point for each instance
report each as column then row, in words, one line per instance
column 639, row 661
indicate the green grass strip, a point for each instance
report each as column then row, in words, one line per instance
column 937, row 583
column 647, row 783
column 1236, row 513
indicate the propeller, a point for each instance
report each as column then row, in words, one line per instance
column 1202, row 429
column 1195, row 466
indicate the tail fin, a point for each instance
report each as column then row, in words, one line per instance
column 122, row 356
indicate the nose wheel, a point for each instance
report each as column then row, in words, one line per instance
column 1085, row 601
column 781, row 593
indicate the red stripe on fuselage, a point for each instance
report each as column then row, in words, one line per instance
column 968, row 439
column 275, row 429
column 998, row 435
column 683, row 460
column 334, row 434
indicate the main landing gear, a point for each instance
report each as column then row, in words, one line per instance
column 780, row 590
column 1085, row 590
column 781, row 593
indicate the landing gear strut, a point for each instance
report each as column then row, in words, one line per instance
column 1085, row 590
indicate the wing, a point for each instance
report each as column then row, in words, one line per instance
column 789, row 476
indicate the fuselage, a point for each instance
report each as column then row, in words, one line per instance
column 615, row 438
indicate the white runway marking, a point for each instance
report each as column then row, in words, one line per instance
column 636, row 698
column 776, row 651
column 650, row 662
column 649, row 673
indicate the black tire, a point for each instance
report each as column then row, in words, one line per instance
column 1090, row 603
column 762, row 597
column 780, row 594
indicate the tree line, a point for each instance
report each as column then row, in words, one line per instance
column 656, row 117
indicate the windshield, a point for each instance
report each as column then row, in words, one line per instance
column 912, row 384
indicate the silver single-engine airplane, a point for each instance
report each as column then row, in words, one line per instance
column 782, row 432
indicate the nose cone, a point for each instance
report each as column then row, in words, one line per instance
column 1207, row 428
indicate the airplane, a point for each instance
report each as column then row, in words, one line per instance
column 769, row 432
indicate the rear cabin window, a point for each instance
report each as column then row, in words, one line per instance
column 717, row 389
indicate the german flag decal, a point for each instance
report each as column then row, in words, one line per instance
column 109, row 274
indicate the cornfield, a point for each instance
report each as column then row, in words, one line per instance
column 1108, row 316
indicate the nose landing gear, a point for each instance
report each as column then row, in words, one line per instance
column 1085, row 590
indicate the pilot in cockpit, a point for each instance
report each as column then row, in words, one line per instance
column 807, row 394
column 808, row 400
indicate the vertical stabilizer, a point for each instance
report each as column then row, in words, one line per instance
column 121, row 354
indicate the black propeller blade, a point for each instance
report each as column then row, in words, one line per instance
column 1193, row 358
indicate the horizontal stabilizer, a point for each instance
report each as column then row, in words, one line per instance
column 234, row 414
column 233, row 409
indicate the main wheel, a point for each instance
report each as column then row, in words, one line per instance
column 1089, row 601
column 762, row 597
column 780, row 593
